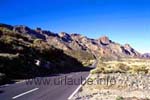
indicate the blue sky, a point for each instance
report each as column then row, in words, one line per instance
column 124, row 21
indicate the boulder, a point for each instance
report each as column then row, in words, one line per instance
column 104, row 40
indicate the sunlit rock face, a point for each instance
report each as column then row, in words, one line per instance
column 104, row 40
column 102, row 46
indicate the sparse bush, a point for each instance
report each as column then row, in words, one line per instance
column 6, row 39
column 87, row 62
column 138, row 69
column 37, row 41
column 5, row 30
column 101, row 64
column 98, row 70
column 122, row 67
column 119, row 98
column 31, row 49
column 83, row 57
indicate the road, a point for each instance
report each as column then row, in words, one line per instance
column 57, row 87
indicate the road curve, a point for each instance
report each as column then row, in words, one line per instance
column 58, row 87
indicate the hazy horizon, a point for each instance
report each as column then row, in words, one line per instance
column 126, row 21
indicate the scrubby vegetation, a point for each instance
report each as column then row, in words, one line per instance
column 119, row 98
column 23, row 57
column 131, row 98
column 122, row 66
column 85, row 58
column 124, row 79
column 138, row 69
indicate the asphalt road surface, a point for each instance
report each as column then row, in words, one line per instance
column 57, row 87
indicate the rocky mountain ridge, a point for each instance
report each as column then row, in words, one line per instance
column 146, row 55
column 102, row 46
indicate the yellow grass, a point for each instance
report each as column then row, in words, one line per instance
column 123, row 66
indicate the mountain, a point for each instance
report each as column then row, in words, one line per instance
column 26, row 53
column 71, row 43
column 146, row 55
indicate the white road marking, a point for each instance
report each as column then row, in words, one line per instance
column 25, row 93
column 69, row 98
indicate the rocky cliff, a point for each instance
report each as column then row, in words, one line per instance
column 102, row 46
